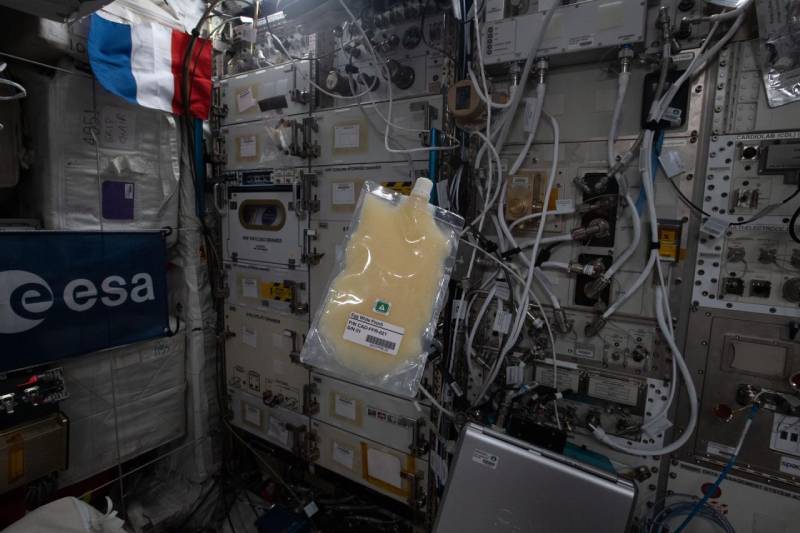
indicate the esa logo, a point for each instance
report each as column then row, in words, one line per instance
column 26, row 298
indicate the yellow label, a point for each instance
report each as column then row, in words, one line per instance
column 403, row 187
column 551, row 206
column 276, row 291
column 16, row 461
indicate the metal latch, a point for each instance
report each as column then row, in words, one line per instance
column 306, row 201
column 419, row 444
column 310, row 403
column 310, row 254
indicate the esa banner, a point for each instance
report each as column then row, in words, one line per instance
column 69, row 293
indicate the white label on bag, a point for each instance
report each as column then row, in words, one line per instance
column 343, row 455
column 375, row 334
column 344, row 193
column 245, row 100
column 277, row 430
column 249, row 288
column 345, row 407
column 346, row 136
column 248, row 146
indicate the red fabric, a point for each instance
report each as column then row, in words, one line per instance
column 199, row 74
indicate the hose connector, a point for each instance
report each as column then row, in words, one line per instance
column 664, row 23
column 563, row 325
column 595, row 287
column 542, row 64
column 625, row 56
column 597, row 227
column 595, row 327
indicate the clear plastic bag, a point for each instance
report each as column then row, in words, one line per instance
column 377, row 321
column 779, row 50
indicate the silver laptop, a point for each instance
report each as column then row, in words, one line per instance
column 500, row 484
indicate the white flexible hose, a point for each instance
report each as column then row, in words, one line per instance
column 541, row 89
column 523, row 219
column 554, row 265
column 478, row 319
column 666, row 332
column 523, row 305
column 616, row 117
column 633, row 246
column 526, row 71
column 480, row 94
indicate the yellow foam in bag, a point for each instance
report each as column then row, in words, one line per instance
column 381, row 307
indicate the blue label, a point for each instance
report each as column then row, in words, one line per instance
column 69, row 293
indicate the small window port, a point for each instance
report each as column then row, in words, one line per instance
column 734, row 286
column 760, row 288
column 749, row 152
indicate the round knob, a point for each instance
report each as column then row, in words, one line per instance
column 723, row 411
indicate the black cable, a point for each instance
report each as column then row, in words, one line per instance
column 792, row 224
column 765, row 212
column 480, row 8
column 685, row 200
column 295, row 58
column 197, row 506
column 425, row 39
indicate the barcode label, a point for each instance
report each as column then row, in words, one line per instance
column 381, row 342
column 373, row 333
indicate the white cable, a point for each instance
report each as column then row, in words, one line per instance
column 383, row 68
column 541, row 89
column 481, row 312
column 490, row 200
column 526, row 70
column 616, row 117
column 619, row 262
column 21, row 91
column 666, row 332
column 555, row 265
column 633, row 246
column 293, row 61
column 547, row 287
column 523, row 219
column 491, row 135
column 446, row 412
column 656, row 112
column 536, row 302
column 480, row 94
column 520, row 318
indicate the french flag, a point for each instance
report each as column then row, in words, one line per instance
column 143, row 63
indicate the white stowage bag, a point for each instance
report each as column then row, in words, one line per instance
column 68, row 515
column 96, row 161
column 380, row 310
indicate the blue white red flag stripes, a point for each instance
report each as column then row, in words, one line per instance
column 143, row 63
